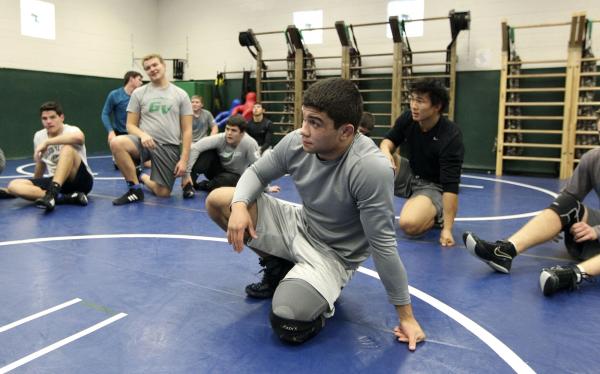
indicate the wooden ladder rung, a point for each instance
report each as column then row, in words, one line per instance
column 536, row 118
column 590, row 103
column 590, row 74
column 536, row 103
column 541, row 89
column 541, row 75
column 579, row 146
column 427, row 76
column 537, row 62
column 583, row 88
column 530, row 158
column 532, row 145
column 586, row 132
column 589, row 118
column 372, row 79
column 532, row 131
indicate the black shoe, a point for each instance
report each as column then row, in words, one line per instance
column 274, row 270
column 131, row 196
column 48, row 202
column 497, row 255
column 188, row 191
column 558, row 278
column 4, row 194
column 202, row 186
column 76, row 198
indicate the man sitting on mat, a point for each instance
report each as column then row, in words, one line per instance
column 60, row 149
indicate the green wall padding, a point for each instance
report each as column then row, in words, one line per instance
column 82, row 98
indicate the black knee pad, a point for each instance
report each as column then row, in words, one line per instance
column 569, row 210
column 293, row 331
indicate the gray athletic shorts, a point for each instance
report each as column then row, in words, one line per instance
column 588, row 249
column 164, row 159
column 407, row 185
column 281, row 233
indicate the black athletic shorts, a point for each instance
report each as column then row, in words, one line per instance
column 82, row 182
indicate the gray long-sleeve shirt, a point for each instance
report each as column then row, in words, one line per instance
column 347, row 204
column 233, row 159
column 585, row 178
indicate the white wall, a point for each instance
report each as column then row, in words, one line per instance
column 93, row 37
column 211, row 29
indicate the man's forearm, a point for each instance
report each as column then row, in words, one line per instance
column 450, row 206
column 76, row 138
column 387, row 146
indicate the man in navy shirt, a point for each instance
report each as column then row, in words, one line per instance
column 429, row 178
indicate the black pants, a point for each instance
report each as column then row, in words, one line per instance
column 209, row 164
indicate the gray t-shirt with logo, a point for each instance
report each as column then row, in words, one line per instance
column 201, row 124
column 160, row 109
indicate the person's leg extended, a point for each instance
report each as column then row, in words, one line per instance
column 564, row 211
column 24, row 188
column 417, row 215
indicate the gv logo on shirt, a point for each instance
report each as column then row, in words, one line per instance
column 156, row 106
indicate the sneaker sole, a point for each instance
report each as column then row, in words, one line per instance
column 470, row 243
column 545, row 280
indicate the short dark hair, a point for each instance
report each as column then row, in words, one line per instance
column 435, row 89
column 51, row 105
column 238, row 121
column 337, row 97
column 367, row 121
column 130, row 74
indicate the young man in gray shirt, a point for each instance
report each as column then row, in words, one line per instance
column 222, row 158
column 310, row 252
column 159, row 123
column 579, row 223
column 202, row 120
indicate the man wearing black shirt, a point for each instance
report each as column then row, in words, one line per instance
column 260, row 128
column 431, row 175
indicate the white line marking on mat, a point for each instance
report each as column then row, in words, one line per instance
column 490, row 340
column 38, row 315
column 61, row 343
column 494, row 343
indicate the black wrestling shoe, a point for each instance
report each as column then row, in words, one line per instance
column 559, row 278
column 274, row 270
column 202, row 186
column 134, row 195
column 76, row 198
column 188, row 191
column 498, row 255
column 48, row 202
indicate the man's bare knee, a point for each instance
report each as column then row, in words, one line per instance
column 219, row 200
column 411, row 227
column 162, row 192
